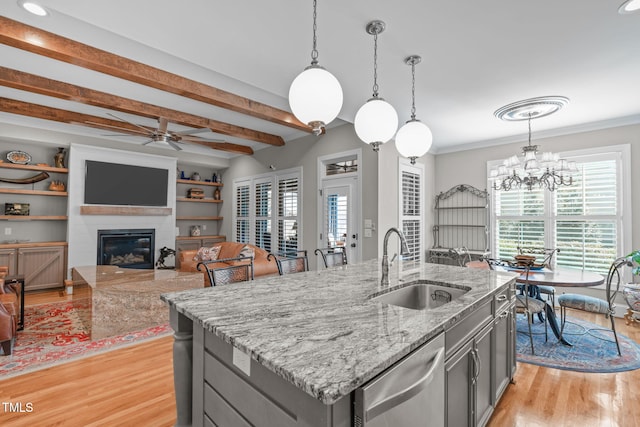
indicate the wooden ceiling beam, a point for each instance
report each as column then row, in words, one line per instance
column 36, row 40
column 44, row 86
column 70, row 117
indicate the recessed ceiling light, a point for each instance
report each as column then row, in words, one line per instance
column 34, row 8
column 629, row 6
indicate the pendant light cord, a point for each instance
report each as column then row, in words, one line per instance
column 529, row 129
column 375, row 64
column 314, row 51
column 413, row 90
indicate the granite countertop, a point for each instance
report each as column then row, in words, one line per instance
column 321, row 331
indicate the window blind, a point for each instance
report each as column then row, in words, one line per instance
column 582, row 220
column 242, row 214
column 288, row 195
column 263, row 215
column 411, row 210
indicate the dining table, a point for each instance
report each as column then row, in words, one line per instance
column 559, row 277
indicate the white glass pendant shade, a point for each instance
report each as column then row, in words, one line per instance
column 376, row 121
column 315, row 97
column 413, row 139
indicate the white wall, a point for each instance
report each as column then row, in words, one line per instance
column 388, row 194
column 305, row 152
column 82, row 229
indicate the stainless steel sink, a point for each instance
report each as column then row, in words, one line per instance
column 422, row 295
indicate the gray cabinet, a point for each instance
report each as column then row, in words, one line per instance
column 481, row 360
column 469, row 399
column 232, row 393
column 8, row 257
column 505, row 350
column 43, row 265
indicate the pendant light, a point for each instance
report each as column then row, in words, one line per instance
column 414, row 138
column 315, row 96
column 376, row 121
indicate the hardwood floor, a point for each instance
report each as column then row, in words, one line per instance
column 552, row 397
column 134, row 387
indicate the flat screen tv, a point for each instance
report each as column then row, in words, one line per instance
column 129, row 185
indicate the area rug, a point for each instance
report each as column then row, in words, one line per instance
column 57, row 333
column 594, row 351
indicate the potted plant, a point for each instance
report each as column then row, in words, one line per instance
column 631, row 291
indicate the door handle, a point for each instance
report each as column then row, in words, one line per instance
column 407, row 393
column 353, row 245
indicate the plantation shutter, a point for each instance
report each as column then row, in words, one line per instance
column 520, row 220
column 587, row 217
column 336, row 215
column 411, row 212
column 288, row 202
column 263, row 215
column 582, row 220
column 242, row 213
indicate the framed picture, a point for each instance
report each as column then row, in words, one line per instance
column 16, row 208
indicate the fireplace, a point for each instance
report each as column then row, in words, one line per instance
column 126, row 248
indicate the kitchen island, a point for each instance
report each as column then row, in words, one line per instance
column 294, row 348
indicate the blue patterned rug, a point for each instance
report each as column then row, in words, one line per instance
column 588, row 353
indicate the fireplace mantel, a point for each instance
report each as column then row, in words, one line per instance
column 124, row 210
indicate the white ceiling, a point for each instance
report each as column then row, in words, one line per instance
column 477, row 57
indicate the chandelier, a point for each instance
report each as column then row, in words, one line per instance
column 376, row 121
column 528, row 171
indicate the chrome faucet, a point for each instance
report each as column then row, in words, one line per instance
column 404, row 250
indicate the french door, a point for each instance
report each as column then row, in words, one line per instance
column 338, row 216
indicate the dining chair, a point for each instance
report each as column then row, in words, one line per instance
column 234, row 270
column 287, row 264
column 597, row 305
column 332, row 257
column 525, row 302
column 548, row 263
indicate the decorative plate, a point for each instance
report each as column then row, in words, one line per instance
column 19, row 157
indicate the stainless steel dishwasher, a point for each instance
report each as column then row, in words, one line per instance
column 408, row 394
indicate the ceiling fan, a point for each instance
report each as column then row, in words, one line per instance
column 162, row 134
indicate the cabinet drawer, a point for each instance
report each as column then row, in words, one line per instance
column 229, row 390
column 466, row 328
column 503, row 298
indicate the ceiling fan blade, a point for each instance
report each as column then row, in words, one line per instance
column 192, row 131
column 129, row 131
column 196, row 139
column 120, row 134
column 163, row 123
column 148, row 142
column 174, row 146
column 131, row 123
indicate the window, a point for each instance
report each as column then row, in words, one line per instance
column 258, row 222
column 242, row 213
column 585, row 221
column 411, row 209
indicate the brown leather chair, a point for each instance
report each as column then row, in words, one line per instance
column 9, row 310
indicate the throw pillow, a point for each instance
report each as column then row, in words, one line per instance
column 207, row 254
column 247, row 251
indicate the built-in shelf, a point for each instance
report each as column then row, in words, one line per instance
column 125, row 210
column 192, row 182
column 33, row 217
column 33, row 192
column 186, row 199
column 199, row 237
column 198, row 218
column 33, row 168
